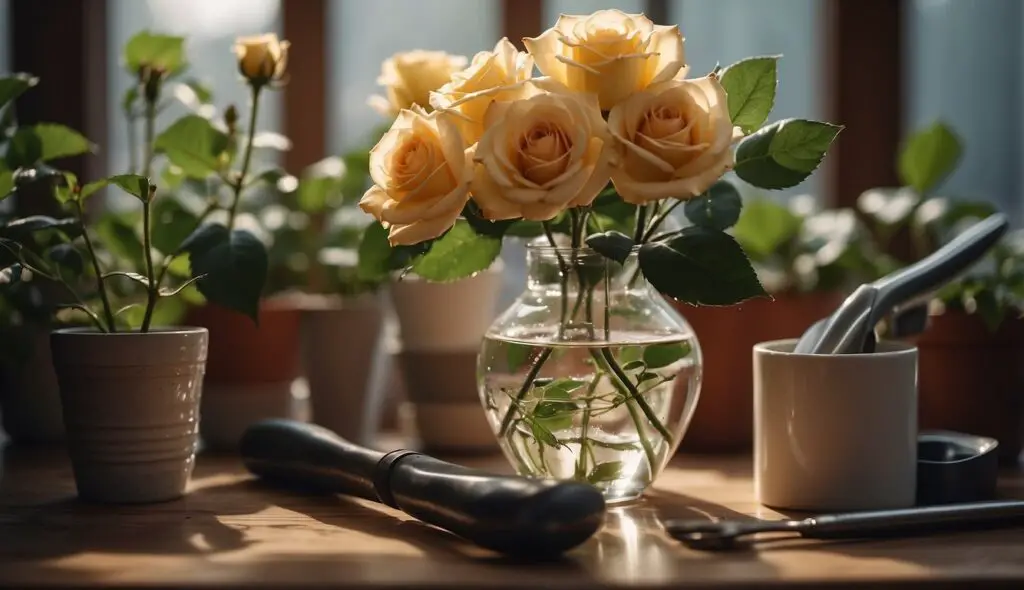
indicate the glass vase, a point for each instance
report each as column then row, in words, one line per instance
column 590, row 374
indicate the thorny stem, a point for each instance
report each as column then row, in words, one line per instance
column 153, row 290
column 108, row 311
column 246, row 159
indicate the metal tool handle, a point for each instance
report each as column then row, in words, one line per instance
column 908, row 521
column 939, row 267
column 508, row 514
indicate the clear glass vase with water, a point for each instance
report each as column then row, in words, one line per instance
column 590, row 374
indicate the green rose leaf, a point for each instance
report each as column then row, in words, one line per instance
column 133, row 184
column 234, row 264
column 607, row 471
column 719, row 208
column 11, row 87
column 612, row 244
column 663, row 355
column 317, row 194
column 374, row 254
column 120, row 238
column 172, row 224
column 6, row 183
column 785, row 153
column 928, row 157
column 44, row 142
column 67, row 256
column 20, row 229
column 634, row 366
column 764, row 226
column 700, row 266
column 483, row 226
column 458, row 254
column 751, row 85
column 163, row 52
column 195, row 145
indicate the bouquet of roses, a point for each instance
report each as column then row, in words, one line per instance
column 614, row 128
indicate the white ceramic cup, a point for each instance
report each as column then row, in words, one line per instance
column 835, row 432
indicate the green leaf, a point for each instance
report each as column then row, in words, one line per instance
column 663, row 355
column 44, row 142
column 37, row 184
column 67, row 256
column 719, row 208
column 751, row 85
column 543, row 435
column 374, row 254
column 121, row 239
column 784, row 154
column 764, row 226
column 13, row 86
column 195, row 145
column 234, row 264
column 163, row 52
column 607, row 471
column 6, row 183
column 20, row 229
column 645, row 377
column 928, row 157
column 458, row 254
column 700, row 266
column 634, row 365
column 172, row 224
column 314, row 195
column 613, row 245
column 483, row 226
column 133, row 184
column 561, row 388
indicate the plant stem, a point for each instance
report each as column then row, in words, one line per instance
column 153, row 290
column 149, row 138
column 246, row 159
column 133, row 147
column 166, row 264
column 641, row 222
column 656, row 223
column 527, row 384
column 648, row 449
column 644, row 406
column 108, row 311
column 581, row 461
column 563, row 277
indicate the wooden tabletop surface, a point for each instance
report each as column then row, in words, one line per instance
column 232, row 532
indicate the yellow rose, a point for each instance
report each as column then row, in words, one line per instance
column 672, row 141
column 609, row 53
column 421, row 171
column 262, row 59
column 409, row 77
column 543, row 151
column 472, row 90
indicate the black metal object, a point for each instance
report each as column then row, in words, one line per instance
column 509, row 514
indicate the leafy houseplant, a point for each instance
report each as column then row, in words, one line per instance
column 134, row 439
column 973, row 336
column 577, row 376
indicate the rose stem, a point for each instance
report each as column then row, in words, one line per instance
column 581, row 461
column 563, row 275
column 108, row 312
column 626, row 389
column 641, row 221
column 237, row 187
column 659, row 220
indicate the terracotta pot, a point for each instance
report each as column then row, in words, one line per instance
column 131, row 406
column 29, row 396
column 724, row 419
column 341, row 354
column 250, row 370
column 972, row 380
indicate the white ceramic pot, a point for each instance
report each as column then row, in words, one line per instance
column 29, row 396
column 131, row 408
column 341, row 354
column 436, row 317
column 230, row 408
column 441, row 327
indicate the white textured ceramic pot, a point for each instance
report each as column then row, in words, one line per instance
column 131, row 410
column 341, row 355
column 29, row 398
column 441, row 327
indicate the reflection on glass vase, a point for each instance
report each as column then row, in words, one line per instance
column 581, row 378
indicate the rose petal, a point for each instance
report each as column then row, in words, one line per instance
column 545, row 51
column 667, row 42
column 488, row 196
column 541, row 211
column 599, row 175
column 374, row 201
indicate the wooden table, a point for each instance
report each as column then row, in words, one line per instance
column 232, row 532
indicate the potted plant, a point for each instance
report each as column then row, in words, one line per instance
column 577, row 377
column 130, row 386
column 211, row 161
column 315, row 231
column 807, row 258
column 971, row 339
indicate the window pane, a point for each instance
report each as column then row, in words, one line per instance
column 964, row 65
column 363, row 34
column 724, row 31
column 553, row 8
column 210, row 28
